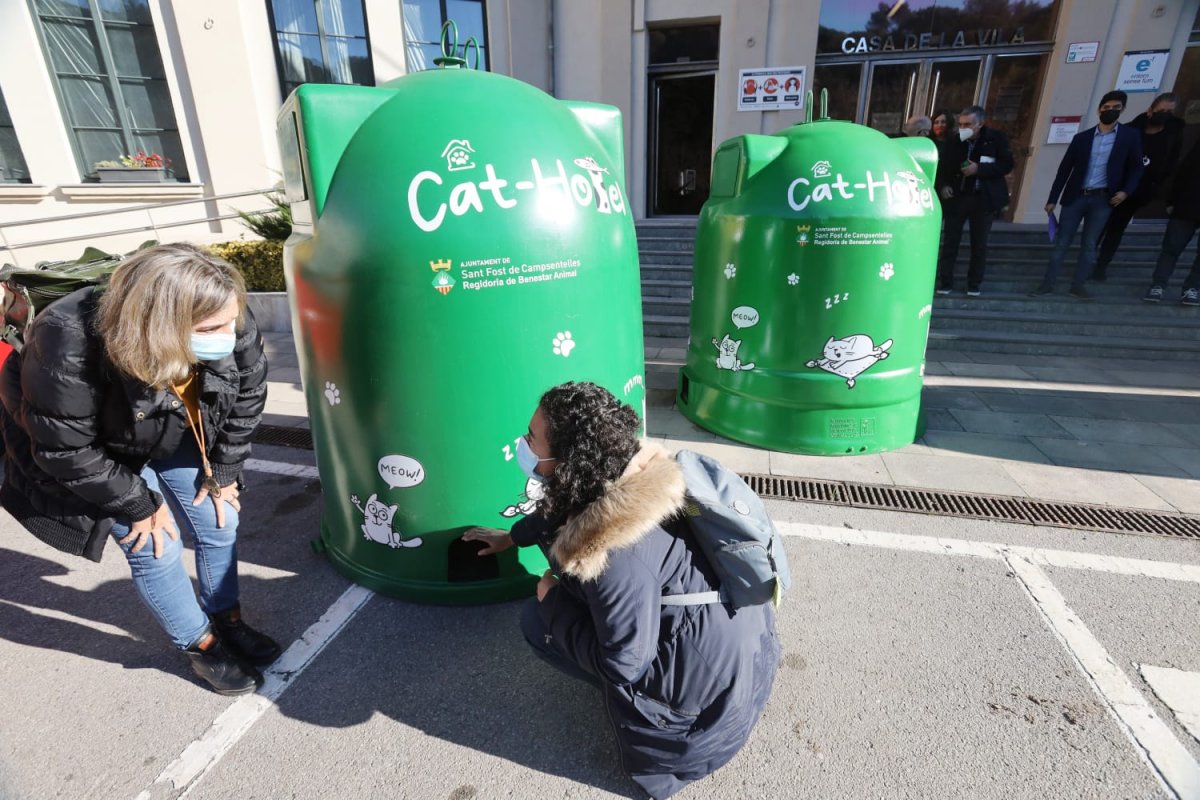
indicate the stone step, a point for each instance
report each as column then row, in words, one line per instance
column 1015, row 305
column 1159, row 330
column 1017, row 311
column 1067, row 345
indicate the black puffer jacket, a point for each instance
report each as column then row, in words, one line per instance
column 683, row 685
column 1185, row 192
column 77, row 433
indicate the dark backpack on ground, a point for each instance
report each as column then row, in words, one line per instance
column 28, row 291
column 739, row 540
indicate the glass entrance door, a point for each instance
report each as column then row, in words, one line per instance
column 900, row 90
column 891, row 95
column 953, row 85
column 1012, row 95
column 681, row 132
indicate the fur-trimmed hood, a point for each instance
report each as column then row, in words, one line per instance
column 650, row 489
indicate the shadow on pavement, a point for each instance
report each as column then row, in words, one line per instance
column 466, row 676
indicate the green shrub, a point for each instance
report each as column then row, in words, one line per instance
column 261, row 262
column 273, row 225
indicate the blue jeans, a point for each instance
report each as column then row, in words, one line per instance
column 162, row 583
column 1093, row 209
column 1179, row 233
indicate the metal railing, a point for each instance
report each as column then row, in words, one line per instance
column 213, row 214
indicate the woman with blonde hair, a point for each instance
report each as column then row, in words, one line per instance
column 128, row 415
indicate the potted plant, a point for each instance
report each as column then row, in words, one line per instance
column 138, row 168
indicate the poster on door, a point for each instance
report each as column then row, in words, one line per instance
column 771, row 89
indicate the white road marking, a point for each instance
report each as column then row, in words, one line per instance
column 185, row 772
column 1170, row 762
column 281, row 468
column 1064, row 559
column 1180, row 690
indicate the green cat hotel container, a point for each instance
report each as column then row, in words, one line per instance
column 462, row 243
column 813, row 281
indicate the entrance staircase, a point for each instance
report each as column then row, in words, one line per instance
column 1117, row 323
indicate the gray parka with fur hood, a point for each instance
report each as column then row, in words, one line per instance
column 683, row 685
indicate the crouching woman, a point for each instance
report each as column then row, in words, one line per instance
column 683, row 685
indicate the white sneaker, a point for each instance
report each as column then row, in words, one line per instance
column 1190, row 297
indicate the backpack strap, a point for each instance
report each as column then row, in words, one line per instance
column 692, row 599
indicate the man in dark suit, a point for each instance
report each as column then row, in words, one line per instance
column 975, row 193
column 1100, row 170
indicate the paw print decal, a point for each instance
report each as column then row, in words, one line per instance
column 793, row 279
column 730, row 270
column 332, row 394
column 887, row 271
column 563, row 344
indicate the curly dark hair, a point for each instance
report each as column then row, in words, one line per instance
column 593, row 435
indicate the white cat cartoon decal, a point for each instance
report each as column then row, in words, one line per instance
column 727, row 357
column 533, row 493
column 377, row 523
column 850, row 357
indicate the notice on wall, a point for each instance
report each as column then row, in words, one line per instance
column 1082, row 52
column 1063, row 129
column 771, row 89
column 1142, row 70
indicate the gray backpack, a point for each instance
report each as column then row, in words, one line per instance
column 731, row 526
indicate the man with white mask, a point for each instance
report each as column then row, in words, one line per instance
column 975, row 193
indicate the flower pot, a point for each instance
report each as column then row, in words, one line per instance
column 131, row 174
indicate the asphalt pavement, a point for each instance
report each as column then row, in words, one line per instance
column 925, row 657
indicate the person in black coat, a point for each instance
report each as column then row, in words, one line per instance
column 683, row 685
column 944, row 133
column 1183, row 208
column 1162, row 140
column 975, row 192
column 1100, row 170
column 128, row 415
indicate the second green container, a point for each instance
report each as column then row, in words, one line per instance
column 812, row 290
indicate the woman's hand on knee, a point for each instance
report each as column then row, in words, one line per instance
column 228, row 494
column 495, row 540
column 151, row 528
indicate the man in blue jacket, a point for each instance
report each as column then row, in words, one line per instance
column 1100, row 170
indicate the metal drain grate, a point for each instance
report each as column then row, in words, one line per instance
column 975, row 506
column 919, row 501
column 284, row 436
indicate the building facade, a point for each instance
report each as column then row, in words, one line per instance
column 84, row 82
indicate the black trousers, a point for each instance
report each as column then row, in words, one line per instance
column 973, row 209
column 1114, row 229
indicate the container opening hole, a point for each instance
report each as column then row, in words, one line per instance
column 465, row 564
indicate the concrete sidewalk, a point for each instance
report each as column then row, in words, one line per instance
column 1114, row 432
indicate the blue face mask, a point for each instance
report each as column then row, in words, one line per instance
column 213, row 346
column 528, row 460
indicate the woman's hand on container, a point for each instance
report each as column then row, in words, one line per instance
column 547, row 582
column 228, row 494
column 151, row 528
column 496, row 540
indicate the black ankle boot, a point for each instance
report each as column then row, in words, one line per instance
column 242, row 640
column 221, row 669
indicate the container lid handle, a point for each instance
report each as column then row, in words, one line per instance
column 448, row 59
